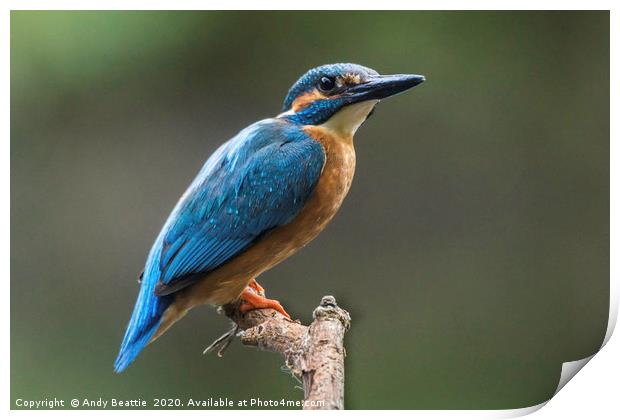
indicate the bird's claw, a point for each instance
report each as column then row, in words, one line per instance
column 253, row 284
column 253, row 297
column 223, row 342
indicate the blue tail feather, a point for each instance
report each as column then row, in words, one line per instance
column 145, row 320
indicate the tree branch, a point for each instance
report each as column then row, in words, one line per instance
column 314, row 354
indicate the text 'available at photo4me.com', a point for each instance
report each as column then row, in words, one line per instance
column 211, row 402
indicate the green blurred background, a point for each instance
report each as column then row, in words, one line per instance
column 472, row 251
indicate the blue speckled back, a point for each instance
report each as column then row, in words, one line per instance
column 258, row 180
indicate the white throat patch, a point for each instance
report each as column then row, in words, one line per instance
column 346, row 121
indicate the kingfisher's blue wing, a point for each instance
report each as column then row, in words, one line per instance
column 257, row 181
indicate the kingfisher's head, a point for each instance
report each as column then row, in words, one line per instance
column 341, row 96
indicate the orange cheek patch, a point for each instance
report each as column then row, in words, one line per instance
column 302, row 101
column 351, row 79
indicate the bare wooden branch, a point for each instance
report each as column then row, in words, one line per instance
column 314, row 354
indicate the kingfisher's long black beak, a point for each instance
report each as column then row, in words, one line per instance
column 380, row 87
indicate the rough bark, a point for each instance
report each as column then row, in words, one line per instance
column 314, row 354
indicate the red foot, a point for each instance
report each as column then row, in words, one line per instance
column 253, row 298
column 257, row 287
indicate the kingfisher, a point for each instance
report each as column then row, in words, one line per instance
column 259, row 198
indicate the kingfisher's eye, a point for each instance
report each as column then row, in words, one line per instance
column 326, row 84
